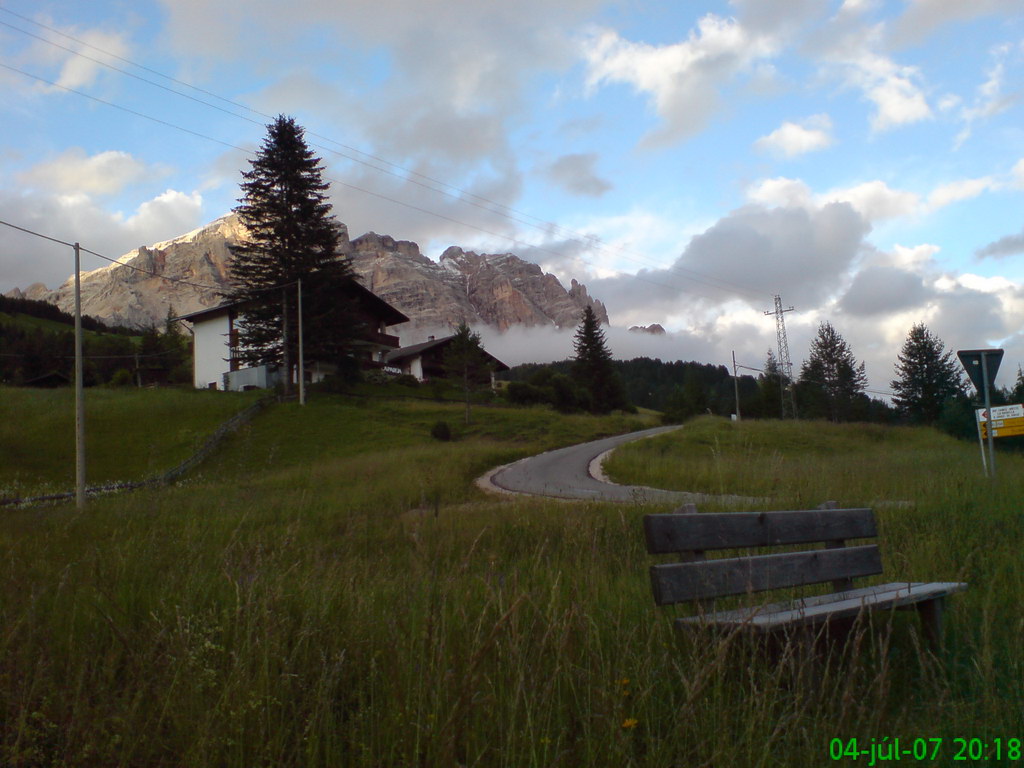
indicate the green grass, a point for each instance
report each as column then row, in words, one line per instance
column 129, row 434
column 804, row 463
column 330, row 590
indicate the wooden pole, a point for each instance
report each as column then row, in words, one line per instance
column 79, row 389
column 736, row 385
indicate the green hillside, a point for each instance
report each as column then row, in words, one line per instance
column 130, row 434
column 332, row 590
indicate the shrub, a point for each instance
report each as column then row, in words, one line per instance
column 122, row 378
column 441, row 431
column 407, row 380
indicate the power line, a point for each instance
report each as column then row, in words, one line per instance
column 115, row 261
column 333, row 180
column 456, row 193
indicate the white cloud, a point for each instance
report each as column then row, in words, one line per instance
column 77, row 218
column 782, row 192
column 955, row 191
column 923, row 17
column 683, row 80
column 792, row 139
column 852, row 49
column 74, row 172
column 989, row 99
column 876, row 200
column 95, row 47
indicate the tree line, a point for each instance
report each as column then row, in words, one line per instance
column 44, row 353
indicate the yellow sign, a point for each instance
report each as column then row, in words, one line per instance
column 1003, row 427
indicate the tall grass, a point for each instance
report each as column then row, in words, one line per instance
column 331, row 590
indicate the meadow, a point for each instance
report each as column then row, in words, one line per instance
column 331, row 589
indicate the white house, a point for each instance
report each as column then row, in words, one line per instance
column 215, row 342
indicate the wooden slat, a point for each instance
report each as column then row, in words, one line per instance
column 705, row 531
column 679, row 582
column 813, row 610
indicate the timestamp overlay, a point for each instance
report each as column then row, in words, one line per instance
column 879, row 750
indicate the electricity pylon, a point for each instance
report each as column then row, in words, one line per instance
column 788, row 403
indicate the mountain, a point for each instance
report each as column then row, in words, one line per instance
column 500, row 290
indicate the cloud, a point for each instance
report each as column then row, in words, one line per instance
column 60, row 53
column 682, row 80
column 1010, row 245
column 25, row 259
column 783, row 192
column 74, row 172
column 923, row 17
column 746, row 256
column 792, row 139
column 955, row 191
column 853, row 50
column 575, row 173
column 989, row 99
column 876, row 200
column 884, row 290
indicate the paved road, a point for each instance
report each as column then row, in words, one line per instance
column 565, row 473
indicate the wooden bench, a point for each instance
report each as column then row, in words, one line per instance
column 699, row 580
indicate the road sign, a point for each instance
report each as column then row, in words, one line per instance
column 971, row 359
column 1007, row 430
column 1000, row 412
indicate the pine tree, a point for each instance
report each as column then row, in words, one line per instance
column 926, row 377
column 465, row 362
column 772, row 384
column 593, row 368
column 291, row 236
column 831, row 383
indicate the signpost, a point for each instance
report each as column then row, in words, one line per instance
column 1002, row 420
column 981, row 366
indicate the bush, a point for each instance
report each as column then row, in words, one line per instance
column 407, row 380
column 441, row 431
column 122, row 378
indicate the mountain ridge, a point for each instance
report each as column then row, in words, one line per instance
column 497, row 290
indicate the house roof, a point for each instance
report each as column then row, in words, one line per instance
column 370, row 301
column 418, row 349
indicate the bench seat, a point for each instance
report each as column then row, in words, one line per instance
column 819, row 608
column 699, row 581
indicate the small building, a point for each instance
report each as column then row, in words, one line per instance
column 425, row 361
column 215, row 343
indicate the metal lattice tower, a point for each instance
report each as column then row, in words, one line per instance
column 788, row 403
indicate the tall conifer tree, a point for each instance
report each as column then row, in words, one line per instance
column 832, row 382
column 593, row 368
column 926, row 377
column 291, row 235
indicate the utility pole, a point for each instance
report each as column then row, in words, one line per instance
column 736, row 385
column 784, row 362
column 79, row 395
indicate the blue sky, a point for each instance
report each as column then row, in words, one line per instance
column 686, row 161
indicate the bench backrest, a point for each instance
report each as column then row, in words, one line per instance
column 691, row 534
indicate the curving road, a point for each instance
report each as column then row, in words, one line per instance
column 569, row 473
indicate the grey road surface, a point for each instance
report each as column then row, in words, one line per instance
column 565, row 474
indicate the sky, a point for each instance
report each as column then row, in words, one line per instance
column 688, row 162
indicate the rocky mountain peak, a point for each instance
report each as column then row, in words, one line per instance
column 500, row 290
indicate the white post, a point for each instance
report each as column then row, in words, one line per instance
column 79, row 395
column 302, row 354
column 988, row 417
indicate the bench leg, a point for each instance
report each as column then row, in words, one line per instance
column 930, row 612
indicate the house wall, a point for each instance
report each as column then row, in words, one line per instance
column 211, row 351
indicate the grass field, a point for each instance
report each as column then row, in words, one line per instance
column 331, row 590
column 130, row 434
